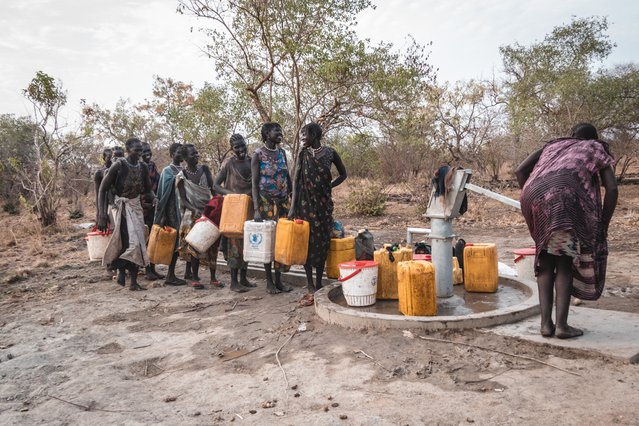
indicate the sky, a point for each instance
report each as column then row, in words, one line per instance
column 104, row 50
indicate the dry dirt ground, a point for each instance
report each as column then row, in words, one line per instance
column 75, row 348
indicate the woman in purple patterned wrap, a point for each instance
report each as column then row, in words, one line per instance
column 561, row 202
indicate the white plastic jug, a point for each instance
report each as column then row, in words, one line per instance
column 359, row 282
column 97, row 243
column 525, row 263
column 259, row 241
column 203, row 234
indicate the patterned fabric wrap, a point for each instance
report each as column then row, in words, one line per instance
column 233, row 249
column 563, row 194
column 315, row 202
column 273, row 175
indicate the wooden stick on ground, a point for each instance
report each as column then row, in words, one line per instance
column 233, row 307
column 434, row 339
column 372, row 359
column 244, row 354
column 277, row 358
column 91, row 408
column 488, row 378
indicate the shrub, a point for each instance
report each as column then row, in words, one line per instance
column 370, row 200
column 11, row 208
column 76, row 214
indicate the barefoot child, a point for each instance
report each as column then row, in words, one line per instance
column 235, row 175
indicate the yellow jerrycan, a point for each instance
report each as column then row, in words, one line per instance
column 236, row 209
column 416, row 288
column 458, row 274
column 387, row 276
column 341, row 250
column 291, row 241
column 161, row 244
column 480, row 268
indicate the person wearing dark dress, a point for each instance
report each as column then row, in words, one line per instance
column 561, row 202
column 313, row 201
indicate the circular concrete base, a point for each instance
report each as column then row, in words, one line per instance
column 358, row 318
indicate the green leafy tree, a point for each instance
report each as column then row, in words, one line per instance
column 299, row 61
column 16, row 151
column 206, row 117
column 555, row 83
column 42, row 178
column 468, row 116
column 113, row 127
column 548, row 81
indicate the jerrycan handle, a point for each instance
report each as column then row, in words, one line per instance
column 348, row 277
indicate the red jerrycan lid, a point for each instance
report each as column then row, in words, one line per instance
column 298, row 221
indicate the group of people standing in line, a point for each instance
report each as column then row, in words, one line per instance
column 131, row 194
column 560, row 200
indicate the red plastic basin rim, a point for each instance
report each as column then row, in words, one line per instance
column 359, row 264
column 528, row 251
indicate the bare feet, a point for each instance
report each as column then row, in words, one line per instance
column 121, row 278
column 159, row 275
column 174, row 281
column 271, row 289
column 151, row 276
column 283, row 287
column 247, row 283
column 568, row 332
column 217, row 284
column 136, row 287
column 238, row 288
column 548, row 330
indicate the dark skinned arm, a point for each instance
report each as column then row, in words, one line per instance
column 107, row 182
column 97, row 179
column 339, row 165
column 148, row 192
column 292, row 212
column 289, row 183
column 255, row 190
column 220, row 178
column 609, row 182
column 209, row 178
column 526, row 167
